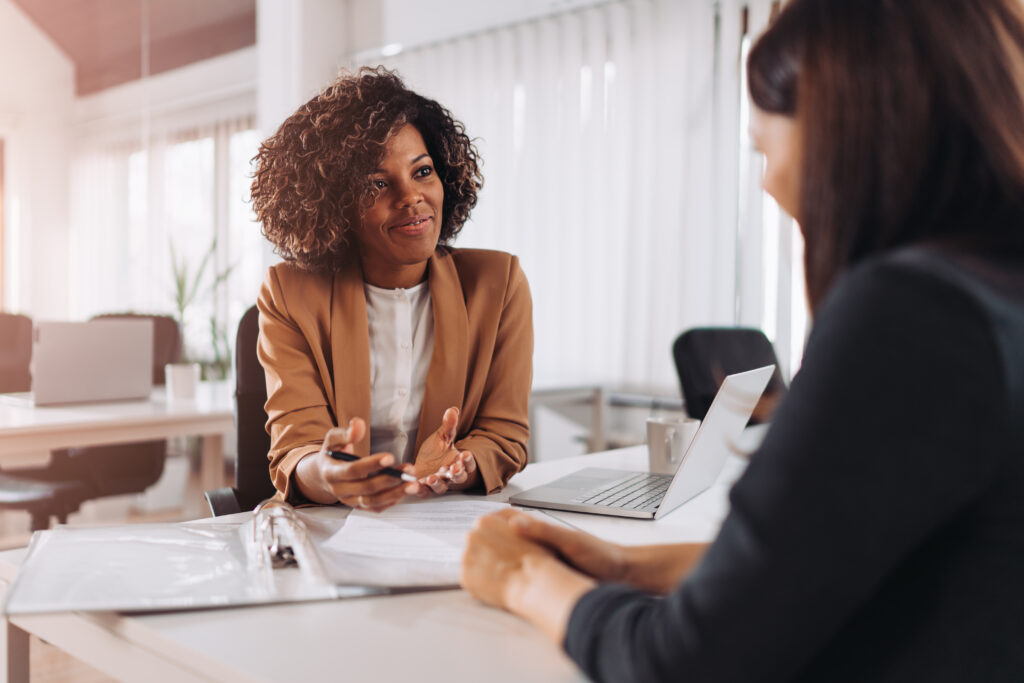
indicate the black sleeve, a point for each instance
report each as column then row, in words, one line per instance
column 865, row 459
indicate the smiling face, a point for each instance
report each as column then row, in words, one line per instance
column 778, row 137
column 399, row 231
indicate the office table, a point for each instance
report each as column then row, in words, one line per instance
column 26, row 429
column 438, row 635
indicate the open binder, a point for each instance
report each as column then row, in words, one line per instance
column 282, row 554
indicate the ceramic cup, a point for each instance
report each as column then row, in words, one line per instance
column 182, row 380
column 667, row 441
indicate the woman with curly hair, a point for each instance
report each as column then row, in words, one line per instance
column 377, row 338
column 878, row 532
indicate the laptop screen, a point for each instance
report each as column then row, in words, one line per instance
column 98, row 360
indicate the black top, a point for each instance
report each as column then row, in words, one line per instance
column 878, row 533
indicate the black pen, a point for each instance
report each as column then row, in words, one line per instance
column 390, row 471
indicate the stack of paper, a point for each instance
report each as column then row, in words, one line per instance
column 210, row 564
column 413, row 544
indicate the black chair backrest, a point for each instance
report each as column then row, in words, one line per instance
column 167, row 341
column 15, row 352
column 252, row 472
column 705, row 355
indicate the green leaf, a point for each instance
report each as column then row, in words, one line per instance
column 189, row 286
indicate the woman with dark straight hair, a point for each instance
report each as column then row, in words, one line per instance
column 878, row 532
column 913, row 113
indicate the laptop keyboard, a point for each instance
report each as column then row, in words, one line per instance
column 641, row 491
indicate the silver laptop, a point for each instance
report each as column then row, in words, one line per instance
column 82, row 362
column 652, row 496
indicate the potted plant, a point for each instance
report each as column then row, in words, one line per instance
column 190, row 285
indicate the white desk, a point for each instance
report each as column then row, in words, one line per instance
column 26, row 429
column 434, row 636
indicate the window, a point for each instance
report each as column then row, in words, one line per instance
column 180, row 201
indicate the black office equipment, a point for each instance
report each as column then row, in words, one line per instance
column 704, row 356
column 252, row 469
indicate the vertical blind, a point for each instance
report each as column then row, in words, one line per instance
column 617, row 167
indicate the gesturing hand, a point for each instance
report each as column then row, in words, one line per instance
column 360, row 483
column 439, row 465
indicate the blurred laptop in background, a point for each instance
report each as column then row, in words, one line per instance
column 85, row 362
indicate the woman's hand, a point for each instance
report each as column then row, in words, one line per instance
column 439, row 465
column 589, row 554
column 653, row 568
column 357, row 484
column 503, row 569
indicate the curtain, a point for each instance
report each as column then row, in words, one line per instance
column 140, row 208
column 617, row 167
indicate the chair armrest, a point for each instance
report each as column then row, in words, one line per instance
column 223, row 501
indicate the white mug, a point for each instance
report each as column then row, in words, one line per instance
column 182, row 380
column 667, row 441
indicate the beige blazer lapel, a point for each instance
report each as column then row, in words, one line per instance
column 446, row 377
column 350, row 348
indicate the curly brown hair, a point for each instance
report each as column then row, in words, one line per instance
column 310, row 186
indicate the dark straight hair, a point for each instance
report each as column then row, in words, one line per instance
column 912, row 119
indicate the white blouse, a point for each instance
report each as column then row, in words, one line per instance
column 401, row 325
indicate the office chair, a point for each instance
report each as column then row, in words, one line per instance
column 705, row 355
column 252, row 468
column 15, row 352
column 16, row 493
column 38, row 498
column 75, row 475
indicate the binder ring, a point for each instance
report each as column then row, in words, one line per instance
column 268, row 537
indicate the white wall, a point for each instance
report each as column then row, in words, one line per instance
column 301, row 44
column 214, row 89
column 36, row 94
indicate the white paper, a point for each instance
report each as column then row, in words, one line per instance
column 413, row 545
column 434, row 531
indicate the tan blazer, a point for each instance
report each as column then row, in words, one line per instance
column 314, row 345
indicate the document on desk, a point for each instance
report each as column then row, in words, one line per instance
column 415, row 544
column 152, row 567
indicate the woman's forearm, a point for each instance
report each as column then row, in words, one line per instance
column 659, row 568
column 309, row 482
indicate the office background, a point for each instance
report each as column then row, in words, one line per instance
column 616, row 159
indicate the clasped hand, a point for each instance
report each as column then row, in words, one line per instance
column 539, row 570
column 534, row 569
column 505, row 546
column 439, row 467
